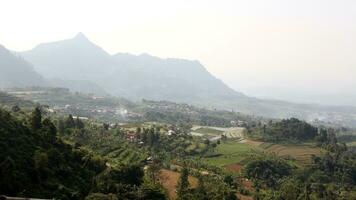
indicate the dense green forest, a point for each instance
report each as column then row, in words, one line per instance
column 332, row 176
column 287, row 129
column 35, row 162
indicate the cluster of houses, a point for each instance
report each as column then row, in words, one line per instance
column 134, row 137
column 238, row 123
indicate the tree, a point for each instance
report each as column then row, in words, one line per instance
column 41, row 164
column 61, row 126
column 183, row 185
column 229, row 180
column 69, row 122
column 138, row 130
column 290, row 189
column 106, row 126
column 15, row 108
column 149, row 191
column 151, row 137
column 49, row 130
column 153, row 171
column 36, row 119
column 9, row 176
column 267, row 171
column 201, row 192
column 79, row 124
column 207, row 142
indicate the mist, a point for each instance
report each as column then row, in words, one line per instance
column 300, row 51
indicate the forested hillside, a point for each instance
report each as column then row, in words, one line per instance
column 35, row 162
column 54, row 155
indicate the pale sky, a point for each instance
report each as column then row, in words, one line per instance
column 301, row 50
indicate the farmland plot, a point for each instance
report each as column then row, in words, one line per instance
column 215, row 133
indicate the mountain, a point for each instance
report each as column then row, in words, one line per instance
column 154, row 78
column 16, row 72
column 82, row 86
column 149, row 77
column 73, row 59
column 131, row 76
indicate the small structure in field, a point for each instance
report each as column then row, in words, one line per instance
column 238, row 123
column 171, row 132
column 131, row 136
column 149, row 160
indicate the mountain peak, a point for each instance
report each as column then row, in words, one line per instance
column 80, row 36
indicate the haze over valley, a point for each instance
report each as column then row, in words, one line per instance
column 178, row 100
column 74, row 63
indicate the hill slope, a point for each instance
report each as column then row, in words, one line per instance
column 16, row 72
column 154, row 78
column 36, row 163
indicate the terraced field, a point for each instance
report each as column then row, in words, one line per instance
column 122, row 154
column 234, row 154
column 116, row 150
column 300, row 153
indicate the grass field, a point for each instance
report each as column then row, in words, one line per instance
column 209, row 131
column 231, row 152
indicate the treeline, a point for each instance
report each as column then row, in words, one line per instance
column 185, row 118
column 175, row 113
column 177, row 145
column 287, row 129
column 8, row 100
column 35, row 162
column 208, row 187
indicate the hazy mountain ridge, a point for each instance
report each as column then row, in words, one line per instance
column 149, row 77
column 170, row 79
column 16, row 72
column 131, row 76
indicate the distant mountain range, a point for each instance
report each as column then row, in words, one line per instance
column 131, row 76
column 148, row 77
